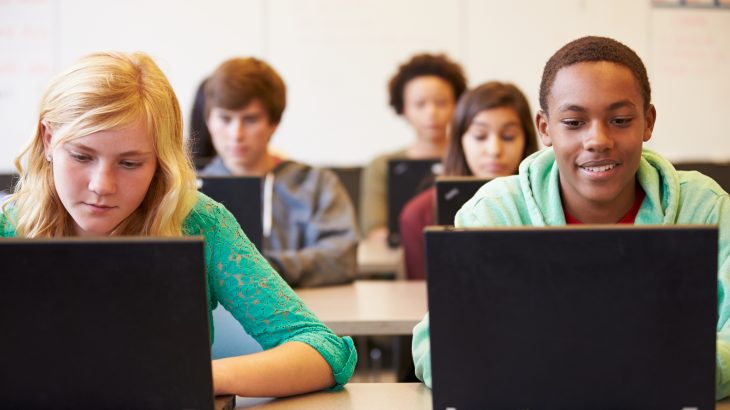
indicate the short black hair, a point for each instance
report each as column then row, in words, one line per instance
column 420, row 65
column 594, row 49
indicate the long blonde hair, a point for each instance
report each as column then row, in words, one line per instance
column 105, row 91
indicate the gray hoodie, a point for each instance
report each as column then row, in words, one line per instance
column 310, row 232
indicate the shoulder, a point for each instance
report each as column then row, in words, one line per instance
column 381, row 161
column 206, row 213
column 422, row 202
column 495, row 203
column 295, row 175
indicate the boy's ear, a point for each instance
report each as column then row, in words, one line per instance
column 650, row 121
column 543, row 130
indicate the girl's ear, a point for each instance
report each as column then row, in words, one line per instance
column 47, row 135
column 543, row 129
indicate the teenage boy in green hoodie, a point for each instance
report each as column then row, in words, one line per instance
column 595, row 114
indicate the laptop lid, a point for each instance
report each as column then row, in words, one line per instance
column 406, row 178
column 104, row 323
column 242, row 197
column 7, row 181
column 452, row 193
column 573, row 318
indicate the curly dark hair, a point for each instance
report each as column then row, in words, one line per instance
column 487, row 96
column 594, row 49
column 420, row 65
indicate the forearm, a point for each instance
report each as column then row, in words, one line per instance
column 288, row 369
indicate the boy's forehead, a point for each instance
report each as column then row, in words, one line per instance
column 594, row 82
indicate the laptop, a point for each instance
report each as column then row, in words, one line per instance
column 452, row 193
column 242, row 197
column 611, row 317
column 7, row 182
column 406, row 179
column 104, row 323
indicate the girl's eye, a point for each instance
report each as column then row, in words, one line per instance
column 79, row 157
column 130, row 164
column 509, row 137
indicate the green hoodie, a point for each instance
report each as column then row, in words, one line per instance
column 672, row 197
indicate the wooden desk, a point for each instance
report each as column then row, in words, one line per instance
column 369, row 307
column 362, row 396
column 375, row 258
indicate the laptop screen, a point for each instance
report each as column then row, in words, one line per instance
column 104, row 323
column 452, row 193
column 573, row 318
column 406, row 179
column 242, row 197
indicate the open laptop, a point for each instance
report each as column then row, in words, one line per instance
column 406, row 179
column 104, row 323
column 611, row 317
column 452, row 193
column 242, row 197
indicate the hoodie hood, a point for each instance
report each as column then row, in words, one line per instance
column 540, row 188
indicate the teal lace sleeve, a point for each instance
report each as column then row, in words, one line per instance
column 241, row 279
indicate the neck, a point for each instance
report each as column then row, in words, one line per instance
column 266, row 163
column 599, row 212
column 427, row 148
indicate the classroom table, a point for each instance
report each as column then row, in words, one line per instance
column 369, row 307
column 376, row 259
column 357, row 396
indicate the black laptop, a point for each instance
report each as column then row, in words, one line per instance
column 104, row 323
column 452, row 193
column 7, row 182
column 611, row 317
column 406, row 179
column 242, row 197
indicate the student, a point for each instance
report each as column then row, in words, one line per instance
column 424, row 91
column 108, row 159
column 491, row 132
column 595, row 114
column 310, row 231
column 200, row 141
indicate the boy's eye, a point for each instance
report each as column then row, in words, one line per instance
column 572, row 124
column 622, row 122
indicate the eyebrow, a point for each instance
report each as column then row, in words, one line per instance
column 485, row 125
column 613, row 106
column 133, row 153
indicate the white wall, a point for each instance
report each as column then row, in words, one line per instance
column 337, row 55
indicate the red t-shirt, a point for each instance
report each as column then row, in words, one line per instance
column 630, row 216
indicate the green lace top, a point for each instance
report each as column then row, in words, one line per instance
column 240, row 279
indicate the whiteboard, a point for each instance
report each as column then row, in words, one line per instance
column 336, row 57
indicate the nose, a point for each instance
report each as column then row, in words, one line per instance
column 598, row 139
column 103, row 181
column 493, row 146
column 237, row 130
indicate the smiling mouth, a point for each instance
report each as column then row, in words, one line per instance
column 600, row 168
